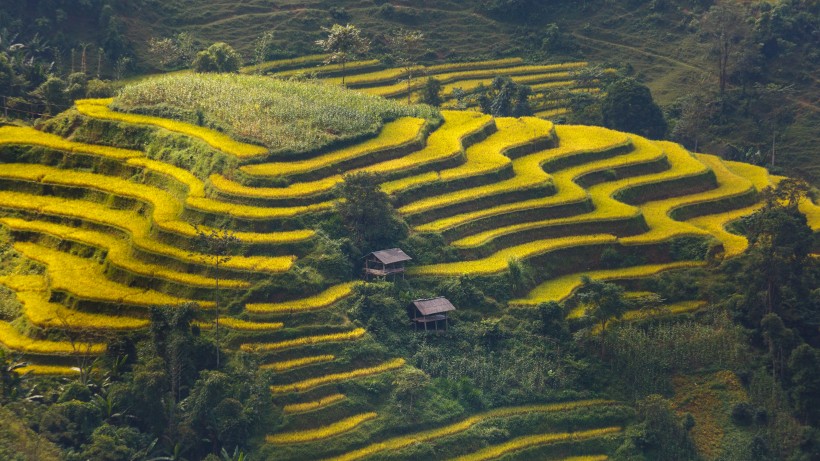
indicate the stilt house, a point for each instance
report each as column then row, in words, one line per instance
column 385, row 262
column 431, row 312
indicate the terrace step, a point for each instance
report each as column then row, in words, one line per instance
column 322, row 300
column 444, row 148
column 321, row 433
column 561, row 288
column 486, row 162
column 98, row 108
column 394, row 140
column 526, row 183
column 529, row 442
column 390, row 76
column 80, row 213
column 530, row 178
column 119, row 265
column 335, row 378
column 32, row 293
column 597, row 150
column 165, row 209
column 398, row 90
column 83, row 282
column 397, row 443
column 12, row 339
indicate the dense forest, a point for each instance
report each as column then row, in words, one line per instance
column 180, row 266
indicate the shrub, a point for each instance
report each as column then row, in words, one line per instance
column 219, row 57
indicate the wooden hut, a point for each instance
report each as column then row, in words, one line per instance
column 431, row 311
column 385, row 262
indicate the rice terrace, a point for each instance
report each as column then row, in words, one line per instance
column 256, row 231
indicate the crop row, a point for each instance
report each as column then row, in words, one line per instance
column 118, row 252
column 32, row 293
column 540, row 81
column 86, row 280
column 397, row 443
column 532, row 129
column 304, row 341
column 574, row 142
column 529, row 172
column 451, row 78
column 392, row 137
column 605, row 207
column 47, row 315
column 640, row 314
column 329, row 69
column 98, row 108
column 389, row 76
column 657, row 213
column 30, row 136
column 443, row 144
column 715, row 225
column 530, row 441
column 552, row 113
column 166, row 208
column 324, row 299
column 14, row 340
column 499, row 261
column 47, row 370
column 560, row 288
column 321, row 433
column 195, row 199
column 139, row 230
column 298, row 363
column 301, row 386
column 482, row 159
column 242, row 325
column 296, row 408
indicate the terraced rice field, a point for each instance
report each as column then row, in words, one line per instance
column 114, row 239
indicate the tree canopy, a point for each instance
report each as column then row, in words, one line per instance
column 628, row 106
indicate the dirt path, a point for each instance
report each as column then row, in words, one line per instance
column 638, row 51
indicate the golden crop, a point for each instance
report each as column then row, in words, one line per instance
column 12, row 339
column 392, row 136
column 30, row 136
column 118, row 252
column 311, row 383
column 529, row 441
column 298, row 363
column 530, row 130
column 560, row 288
column 86, row 280
column 321, row 433
column 98, row 108
column 44, row 314
column 295, row 408
column 305, row 341
column 498, row 261
column 324, row 299
column 397, row 443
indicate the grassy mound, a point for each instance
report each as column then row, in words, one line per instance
column 287, row 117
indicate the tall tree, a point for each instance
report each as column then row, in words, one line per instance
column 602, row 301
column 343, row 43
column 216, row 246
column 725, row 25
column 406, row 48
column 367, row 214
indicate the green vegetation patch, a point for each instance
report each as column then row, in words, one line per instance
column 286, row 116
